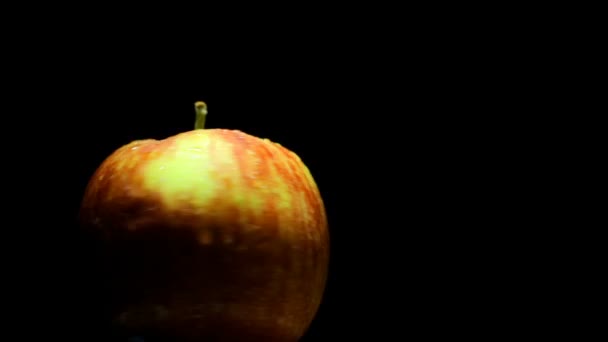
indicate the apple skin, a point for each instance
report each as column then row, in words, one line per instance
column 211, row 234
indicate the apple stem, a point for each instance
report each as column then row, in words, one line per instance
column 201, row 114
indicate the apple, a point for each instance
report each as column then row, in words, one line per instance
column 208, row 235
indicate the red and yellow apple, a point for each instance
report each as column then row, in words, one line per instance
column 211, row 234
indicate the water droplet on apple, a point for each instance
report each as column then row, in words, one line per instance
column 242, row 247
column 131, row 226
column 228, row 239
column 205, row 237
column 134, row 147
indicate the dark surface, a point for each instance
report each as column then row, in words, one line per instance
column 387, row 267
column 392, row 140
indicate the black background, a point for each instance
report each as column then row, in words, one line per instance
column 372, row 144
column 394, row 128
